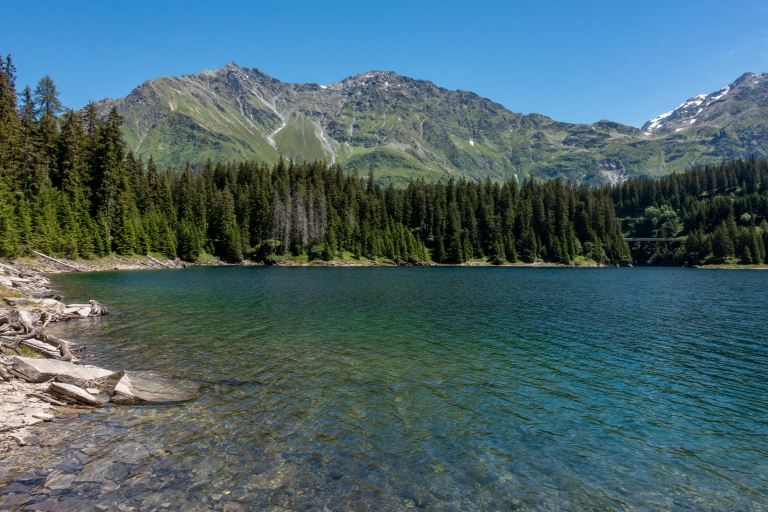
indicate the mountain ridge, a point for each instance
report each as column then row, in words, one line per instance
column 699, row 102
column 401, row 128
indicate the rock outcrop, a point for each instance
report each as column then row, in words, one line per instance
column 42, row 370
column 30, row 387
column 91, row 385
column 75, row 394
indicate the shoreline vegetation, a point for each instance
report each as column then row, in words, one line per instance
column 156, row 262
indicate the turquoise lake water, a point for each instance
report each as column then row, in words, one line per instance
column 422, row 388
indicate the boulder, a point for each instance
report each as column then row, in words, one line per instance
column 52, row 295
column 42, row 370
column 94, row 386
column 136, row 389
column 75, row 394
column 107, row 383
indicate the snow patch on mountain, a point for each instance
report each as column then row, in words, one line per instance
column 657, row 121
column 689, row 111
column 722, row 92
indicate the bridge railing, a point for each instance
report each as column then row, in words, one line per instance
column 652, row 239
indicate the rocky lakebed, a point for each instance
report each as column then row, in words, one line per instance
column 43, row 383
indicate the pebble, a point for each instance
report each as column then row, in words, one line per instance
column 32, row 420
column 13, row 501
column 58, row 480
column 20, row 438
column 44, row 416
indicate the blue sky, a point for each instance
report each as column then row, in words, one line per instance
column 577, row 61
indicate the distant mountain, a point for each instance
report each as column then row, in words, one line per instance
column 402, row 128
column 727, row 123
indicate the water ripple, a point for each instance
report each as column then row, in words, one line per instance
column 438, row 389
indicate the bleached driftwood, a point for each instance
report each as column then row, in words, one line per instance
column 23, row 326
column 67, row 265
column 42, row 347
column 9, row 269
column 158, row 261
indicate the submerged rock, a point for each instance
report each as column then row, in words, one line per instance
column 135, row 389
column 59, row 480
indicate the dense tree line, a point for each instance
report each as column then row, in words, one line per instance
column 69, row 187
column 720, row 212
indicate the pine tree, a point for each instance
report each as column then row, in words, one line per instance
column 9, row 236
column 32, row 173
column 107, row 166
column 454, row 249
column 10, row 124
column 47, row 107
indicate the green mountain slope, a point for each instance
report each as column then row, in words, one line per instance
column 403, row 128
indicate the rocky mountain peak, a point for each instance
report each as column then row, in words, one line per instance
column 711, row 108
column 751, row 79
column 377, row 80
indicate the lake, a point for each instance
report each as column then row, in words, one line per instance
column 420, row 388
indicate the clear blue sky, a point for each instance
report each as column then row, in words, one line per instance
column 577, row 61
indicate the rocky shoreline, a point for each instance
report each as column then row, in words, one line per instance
column 41, row 378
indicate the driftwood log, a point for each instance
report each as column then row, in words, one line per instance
column 9, row 269
column 20, row 325
column 63, row 264
column 158, row 261
column 98, row 309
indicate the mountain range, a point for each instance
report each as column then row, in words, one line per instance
column 401, row 128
